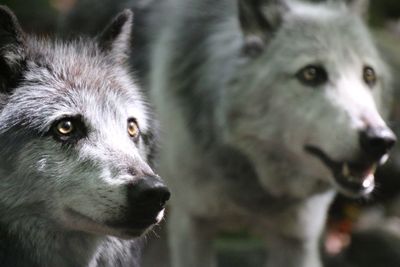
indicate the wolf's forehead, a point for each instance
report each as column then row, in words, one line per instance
column 40, row 106
column 66, row 73
column 91, row 87
column 77, row 69
column 340, row 38
column 328, row 26
column 72, row 64
column 78, row 85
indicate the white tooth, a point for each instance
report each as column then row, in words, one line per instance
column 383, row 159
column 160, row 216
column 369, row 181
column 345, row 170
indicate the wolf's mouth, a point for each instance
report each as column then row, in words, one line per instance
column 352, row 178
column 133, row 229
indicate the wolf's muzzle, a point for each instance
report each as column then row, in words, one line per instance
column 356, row 177
column 146, row 199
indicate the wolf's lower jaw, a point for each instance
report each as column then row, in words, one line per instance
column 352, row 188
column 78, row 221
column 352, row 179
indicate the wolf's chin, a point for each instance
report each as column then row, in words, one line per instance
column 353, row 179
column 78, row 221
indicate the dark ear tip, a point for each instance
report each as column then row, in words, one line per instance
column 127, row 12
column 9, row 23
column 4, row 8
column 6, row 11
column 125, row 16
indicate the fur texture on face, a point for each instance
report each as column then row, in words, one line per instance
column 267, row 108
column 76, row 146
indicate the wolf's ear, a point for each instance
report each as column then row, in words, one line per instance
column 116, row 37
column 359, row 7
column 258, row 19
column 12, row 49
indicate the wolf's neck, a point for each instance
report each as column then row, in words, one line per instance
column 33, row 243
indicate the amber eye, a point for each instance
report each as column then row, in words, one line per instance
column 133, row 128
column 69, row 130
column 65, row 127
column 369, row 76
column 312, row 75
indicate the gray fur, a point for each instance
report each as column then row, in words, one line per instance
column 235, row 119
column 60, row 200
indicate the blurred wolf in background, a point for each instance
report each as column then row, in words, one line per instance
column 76, row 147
column 267, row 109
column 246, row 91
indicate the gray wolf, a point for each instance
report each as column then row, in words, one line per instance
column 267, row 110
column 77, row 142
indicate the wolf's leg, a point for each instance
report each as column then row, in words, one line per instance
column 190, row 241
column 295, row 241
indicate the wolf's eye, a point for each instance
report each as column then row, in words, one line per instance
column 69, row 129
column 369, row 76
column 312, row 75
column 133, row 128
column 65, row 127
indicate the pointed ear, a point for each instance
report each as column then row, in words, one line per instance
column 116, row 37
column 359, row 7
column 258, row 20
column 12, row 49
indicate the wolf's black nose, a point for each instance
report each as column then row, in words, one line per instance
column 149, row 190
column 377, row 141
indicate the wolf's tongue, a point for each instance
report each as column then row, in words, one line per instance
column 357, row 174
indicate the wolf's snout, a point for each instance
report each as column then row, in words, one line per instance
column 377, row 141
column 150, row 190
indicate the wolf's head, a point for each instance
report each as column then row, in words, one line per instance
column 76, row 137
column 309, row 99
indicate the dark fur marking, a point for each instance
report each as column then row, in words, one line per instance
column 113, row 30
column 12, row 42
